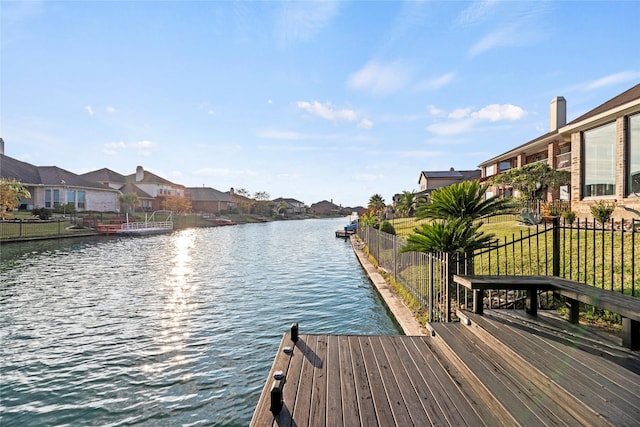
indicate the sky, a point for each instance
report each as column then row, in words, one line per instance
column 313, row 101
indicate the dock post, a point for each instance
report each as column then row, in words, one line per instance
column 276, row 398
column 294, row 332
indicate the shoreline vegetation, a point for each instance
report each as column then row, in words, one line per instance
column 24, row 227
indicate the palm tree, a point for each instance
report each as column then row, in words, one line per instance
column 463, row 200
column 128, row 201
column 457, row 236
column 406, row 203
column 377, row 204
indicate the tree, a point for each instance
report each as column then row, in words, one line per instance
column 261, row 196
column 128, row 202
column 464, row 200
column 12, row 193
column 532, row 178
column 377, row 204
column 456, row 236
column 406, row 204
column 243, row 192
column 282, row 208
column 177, row 204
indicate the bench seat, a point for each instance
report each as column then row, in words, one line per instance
column 575, row 292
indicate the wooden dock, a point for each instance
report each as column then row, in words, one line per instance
column 505, row 368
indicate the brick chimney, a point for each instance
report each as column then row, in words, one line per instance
column 139, row 174
column 557, row 113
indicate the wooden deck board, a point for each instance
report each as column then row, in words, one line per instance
column 334, row 383
column 492, row 374
column 366, row 409
column 576, row 370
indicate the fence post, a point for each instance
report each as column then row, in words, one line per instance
column 447, row 293
column 556, row 246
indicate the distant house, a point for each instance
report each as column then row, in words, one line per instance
column 209, row 200
column 293, row 206
column 325, row 208
column 151, row 189
column 432, row 180
column 51, row 186
column 601, row 149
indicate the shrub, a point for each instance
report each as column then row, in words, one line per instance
column 42, row 213
column 387, row 227
column 569, row 217
column 602, row 211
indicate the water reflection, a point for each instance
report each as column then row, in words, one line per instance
column 172, row 329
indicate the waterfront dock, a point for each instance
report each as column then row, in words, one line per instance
column 505, row 368
column 502, row 368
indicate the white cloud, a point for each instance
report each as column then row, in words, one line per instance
column 279, row 134
column 113, row 148
column 463, row 119
column 144, row 148
column 503, row 37
column 89, row 110
column 224, row 172
column 110, row 110
column 380, row 79
column 437, row 82
column 613, row 79
column 420, row 153
column 495, row 113
column 459, row 113
column 365, row 124
column 476, row 12
column 289, row 148
column 327, row 111
column 451, row 128
column 302, row 21
column 434, row 111
column 367, row 177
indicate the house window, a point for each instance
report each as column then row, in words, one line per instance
column 81, row 200
column 489, row 171
column 71, row 197
column 47, row 199
column 505, row 166
column 600, row 161
column 634, row 155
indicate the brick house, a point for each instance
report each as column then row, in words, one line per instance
column 432, row 180
column 601, row 149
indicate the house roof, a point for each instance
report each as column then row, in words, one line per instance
column 453, row 174
column 104, row 175
column 132, row 188
column 289, row 201
column 150, row 178
column 208, row 194
column 615, row 102
column 625, row 97
column 30, row 174
column 325, row 203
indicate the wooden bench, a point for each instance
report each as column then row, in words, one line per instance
column 531, row 284
column 625, row 305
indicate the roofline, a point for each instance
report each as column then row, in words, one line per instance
column 604, row 116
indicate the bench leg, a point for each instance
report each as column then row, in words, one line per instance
column 478, row 303
column 630, row 333
column 532, row 302
column 573, row 308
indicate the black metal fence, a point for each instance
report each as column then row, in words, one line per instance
column 603, row 255
column 423, row 275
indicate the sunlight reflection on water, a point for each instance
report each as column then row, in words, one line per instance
column 173, row 329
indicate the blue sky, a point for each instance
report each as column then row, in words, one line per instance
column 310, row 100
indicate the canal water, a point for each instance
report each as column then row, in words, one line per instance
column 177, row 329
